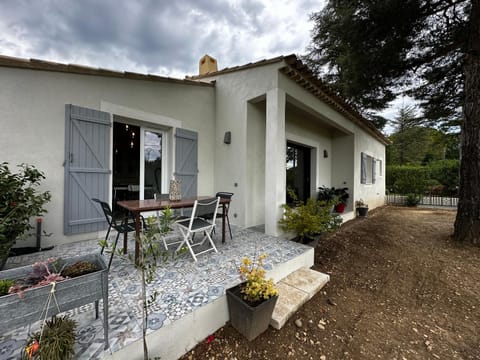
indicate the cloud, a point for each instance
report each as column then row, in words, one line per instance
column 165, row 37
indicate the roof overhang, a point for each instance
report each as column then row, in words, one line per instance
column 34, row 64
column 304, row 77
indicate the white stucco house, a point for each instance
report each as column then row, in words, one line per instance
column 111, row 135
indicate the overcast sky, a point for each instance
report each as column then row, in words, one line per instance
column 156, row 36
column 161, row 37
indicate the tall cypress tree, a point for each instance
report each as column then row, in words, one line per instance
column 370, row 51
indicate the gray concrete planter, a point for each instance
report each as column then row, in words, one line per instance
column 70, row 293
column 250, row 321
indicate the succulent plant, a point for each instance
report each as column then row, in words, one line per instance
column 78, row 269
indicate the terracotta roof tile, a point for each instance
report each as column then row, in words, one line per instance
column 36, row 64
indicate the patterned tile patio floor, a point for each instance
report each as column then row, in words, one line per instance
column 182, row 286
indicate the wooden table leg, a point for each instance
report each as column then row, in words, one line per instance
column 137, row 236
column 223, row 223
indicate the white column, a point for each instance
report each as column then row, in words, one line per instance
column 275, row 163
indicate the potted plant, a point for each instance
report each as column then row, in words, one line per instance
column 361, row 207
column 251, row 303
column 309, row 220
column 326, row 194
column 341, row 196
column 54, row 341
column 338, row 197
column 19, row 201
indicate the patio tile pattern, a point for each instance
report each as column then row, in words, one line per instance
column 182, row 287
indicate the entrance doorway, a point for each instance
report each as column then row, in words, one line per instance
column 138, row 162
column 298, row 172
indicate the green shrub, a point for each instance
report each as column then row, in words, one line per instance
column 438, row 177
column 19, row 202
column 447, row 173
column 313, row 217
column 5, row 285
column 412, row 200
column 407, row 179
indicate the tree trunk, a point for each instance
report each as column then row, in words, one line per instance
column 467, row 223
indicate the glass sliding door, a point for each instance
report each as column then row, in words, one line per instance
column 153, row 163
column 126, row 163
column 139, row 162
column 298, row 172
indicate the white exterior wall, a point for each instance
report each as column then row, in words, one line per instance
column 233, row 169
column 373, row 194
column 32, row 118
column 32, row 112
column 306, row 132
column 244, row 168
column 255, row 177
column 347, row 144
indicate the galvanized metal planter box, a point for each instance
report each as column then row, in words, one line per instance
column 70, row 293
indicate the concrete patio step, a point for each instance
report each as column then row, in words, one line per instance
column 294, row 291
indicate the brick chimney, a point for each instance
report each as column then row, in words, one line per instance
column 207, row 65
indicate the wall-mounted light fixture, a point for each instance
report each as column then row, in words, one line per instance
column 325, row 153
column 227, row 139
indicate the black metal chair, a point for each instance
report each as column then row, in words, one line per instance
column 222, row 195
column 117, row 223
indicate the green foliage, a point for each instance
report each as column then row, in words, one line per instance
column 446, row 173
column 412, row 200
column 414, row 143
column 5, row 285
column 313, row 217
column 56, row 341
column 368, row 50
column 378, row 121
column 407, row 179
column 20, row 200
column 334, row 195
column 438, row 177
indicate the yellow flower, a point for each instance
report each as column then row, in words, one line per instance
column 256, row 287
column 246, row 261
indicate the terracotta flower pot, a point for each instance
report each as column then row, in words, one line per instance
column 249, row 320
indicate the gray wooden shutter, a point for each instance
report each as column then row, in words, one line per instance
column 363, row 170
column 186, row 161
column 87, row 157
column 374, row 170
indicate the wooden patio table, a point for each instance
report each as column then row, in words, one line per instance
column 136, row 207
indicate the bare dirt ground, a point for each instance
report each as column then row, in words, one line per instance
column 400, row 289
